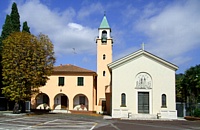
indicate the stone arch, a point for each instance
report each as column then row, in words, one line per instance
column 61, row 102
column 143, row 81
column 42, row 101
column 80, row 102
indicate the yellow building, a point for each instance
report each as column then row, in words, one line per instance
column 68, row 88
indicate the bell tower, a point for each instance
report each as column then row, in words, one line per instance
column 104, row 57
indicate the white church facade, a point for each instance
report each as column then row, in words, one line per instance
column 143, row 85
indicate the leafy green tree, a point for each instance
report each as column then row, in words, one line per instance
column 180, row 88
column 191, row 81
column 25, row 27
column 15, row 18
column 188, row 88
column 6, row 30
column 27, row 62
column 12, row 24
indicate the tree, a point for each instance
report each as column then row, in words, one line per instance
column 15, row 18
column 188, row 88
column 12, row 24
column 6, row 30
column 180, row 89
column 27, row 62
column 25, row 27
column 191, row 81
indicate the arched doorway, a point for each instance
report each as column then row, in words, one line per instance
column 144, row 84
column 80, row 102
column 61, row 102
column 42, row 101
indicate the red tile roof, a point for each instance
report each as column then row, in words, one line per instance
column 71, row 68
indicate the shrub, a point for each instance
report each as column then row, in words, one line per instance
column 197, row 112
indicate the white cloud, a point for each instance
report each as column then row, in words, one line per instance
column 85, row 11
column 59, row 26
column 174, row 31
column 75, row 26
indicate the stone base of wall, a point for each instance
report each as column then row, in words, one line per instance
column 168, row 114
column 125, row 113
column 143, row 116
column 120, row 113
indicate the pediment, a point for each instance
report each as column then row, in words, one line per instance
column 138, row 54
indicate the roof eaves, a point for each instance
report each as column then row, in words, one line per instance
column 124, row 59
column 73, row 72
column 136, row 54
column 161, row 60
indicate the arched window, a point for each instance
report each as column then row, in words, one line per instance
column 123, row 100
column 104, row 34
column 104, row 56
column 104, row 37
column 164, row 100
column 104, row 73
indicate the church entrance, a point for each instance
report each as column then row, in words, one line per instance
column 143, row 102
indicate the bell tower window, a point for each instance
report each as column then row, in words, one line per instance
column 104, row 73
column 104, row 56
column 104, row 37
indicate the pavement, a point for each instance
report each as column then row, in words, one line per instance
column 9, row 121
column 151, row 125
column 45, row 122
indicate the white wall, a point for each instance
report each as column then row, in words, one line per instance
column 124, row 81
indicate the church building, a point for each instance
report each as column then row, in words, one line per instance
column 139, row 85
column 143, row 85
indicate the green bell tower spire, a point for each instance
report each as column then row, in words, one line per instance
column 104, row 23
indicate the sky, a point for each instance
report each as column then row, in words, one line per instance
column 169, row 29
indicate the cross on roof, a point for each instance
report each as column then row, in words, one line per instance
column 143, row 46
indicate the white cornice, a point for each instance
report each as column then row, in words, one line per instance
column 137, row 54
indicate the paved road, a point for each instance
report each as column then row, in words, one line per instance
column 51, row 122
column 86, row 122
column 151, row 125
